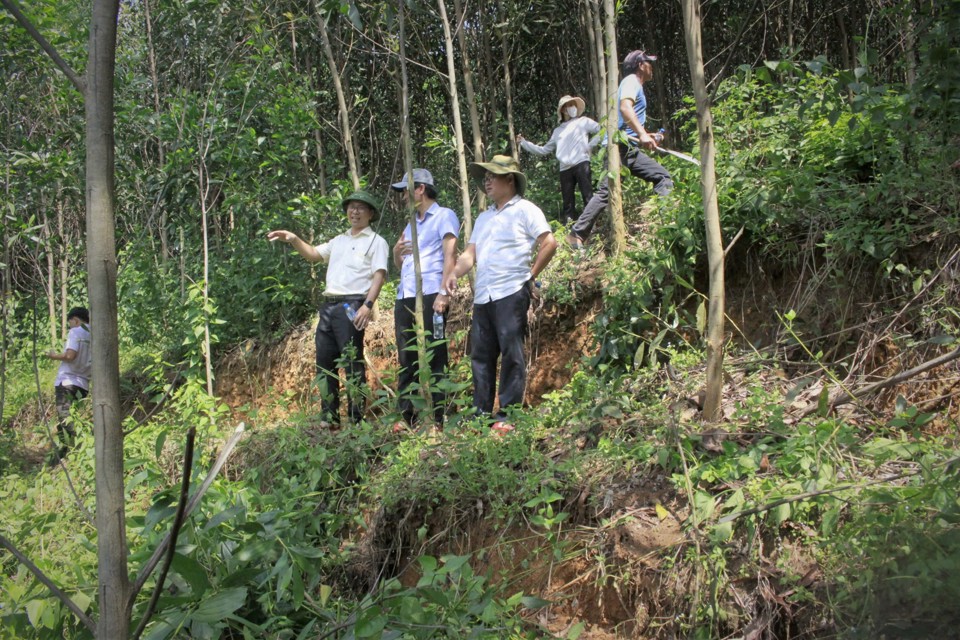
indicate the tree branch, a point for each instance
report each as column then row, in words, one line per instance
column 174, row 533
column 846, row 396
column 48, row 583
column 151, row 564
column 78, row 83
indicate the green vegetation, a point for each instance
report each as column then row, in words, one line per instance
column 610, row 507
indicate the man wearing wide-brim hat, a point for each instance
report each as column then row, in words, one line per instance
column 503, row 240
column 356, row 269
column 572, row 143
column 637, row 69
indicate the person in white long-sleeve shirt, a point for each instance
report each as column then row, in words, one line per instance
column 572, row 144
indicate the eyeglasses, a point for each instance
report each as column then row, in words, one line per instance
column 490, row 177
column 358, row 208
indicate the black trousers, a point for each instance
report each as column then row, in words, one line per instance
column 64, row 396
column 404, row 324
column 337, row 339
column 576, row 176
column 641, row 166
column 498, row 332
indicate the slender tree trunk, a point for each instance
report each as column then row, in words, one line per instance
column 600, row 88
column 455, row 107
column 63, row 265
column 5, row 285
column 204, row 179
column 475, row 128
column 507, row 82
column 314, row 75
column 615, row 203
column 423, row 364
column 352, row 165
column 114, row 585
column 50, row 284
column 155, row 81
column 586, row 21
column 711, row 213
column 659, row 85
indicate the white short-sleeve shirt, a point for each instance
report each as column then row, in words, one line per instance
column 352, row 261
column 76, row 373
column 504, row 242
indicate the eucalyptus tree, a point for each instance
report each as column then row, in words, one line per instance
column 711, row 213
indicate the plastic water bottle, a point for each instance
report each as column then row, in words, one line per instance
column 437, row 325
column 659, row 135
column 350, row 311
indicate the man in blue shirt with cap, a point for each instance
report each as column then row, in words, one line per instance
column 637, row 69
column 437, row 230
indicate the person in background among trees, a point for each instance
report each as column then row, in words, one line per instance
column 504, row 238
column 437, row 231
column 637, row 69
column 73, row 376
column 571, row 142
column 356, row 269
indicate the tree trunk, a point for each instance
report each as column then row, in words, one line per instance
column 507, row 89
column 455, row 107
column 600, row 88
column 615, row 204
column 474, row 118
column 711, row 213
column 50, row 284
column 352, row 165
column 114, row 585
column 423, row 364
column 659, row 85
column 63, row 266
column 152, row 62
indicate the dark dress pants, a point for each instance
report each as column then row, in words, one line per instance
column 404, row 323
column 575, row 177
column 640, row 166
column 498, row 332
column 335, row 333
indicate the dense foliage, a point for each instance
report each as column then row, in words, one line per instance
column 835, row 159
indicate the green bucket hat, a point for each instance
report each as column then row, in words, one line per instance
column 500, row 165
column 367, row 198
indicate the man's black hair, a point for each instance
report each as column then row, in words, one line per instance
column 79, row 312
column 428, row 190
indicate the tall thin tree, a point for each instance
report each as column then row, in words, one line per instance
column 615, row 204
column 711, row 212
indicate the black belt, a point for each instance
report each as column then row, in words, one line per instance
column 339, row 299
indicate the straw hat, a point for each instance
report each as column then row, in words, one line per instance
column 500, row 165
column 577, row 102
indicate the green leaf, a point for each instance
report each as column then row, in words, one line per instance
column 82, row 600
column 35, row 611
column 533, row 602
column 823, row 402
column 702, row 318
column 576, row 630
column 780, row 513
column 703, row 505
column 192, row 572
column 722, row 532
column 220, row 605
column 325, row 592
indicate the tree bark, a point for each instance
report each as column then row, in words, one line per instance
column 50, row 284
column 507, row 88
column 352, row 165
column 475, row 128
column 455, row 107
column 711, row 213
column 600, row 88
column 114, row 585
column 615, row 204
column 423, row 364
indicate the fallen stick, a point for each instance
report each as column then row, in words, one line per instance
column 845, row 397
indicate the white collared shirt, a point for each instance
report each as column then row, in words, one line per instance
column 352, row 260
column 77, row 372
column 504, row 242
column 571, row 141
column 438, row 222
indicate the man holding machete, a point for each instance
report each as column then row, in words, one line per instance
column 637, row 69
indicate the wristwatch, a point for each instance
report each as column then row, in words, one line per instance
column 368, row 303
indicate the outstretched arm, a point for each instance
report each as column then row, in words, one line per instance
column 308, row 252
column 464, row 263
